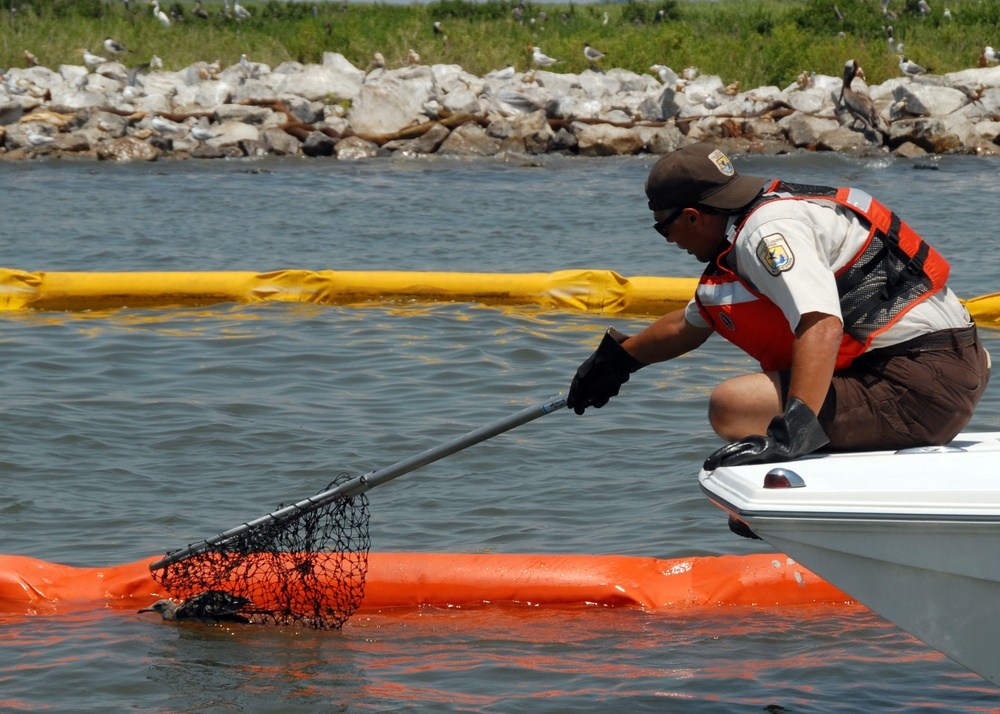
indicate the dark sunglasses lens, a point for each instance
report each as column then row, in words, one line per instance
column 663, row 227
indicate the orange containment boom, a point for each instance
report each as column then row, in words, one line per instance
column 406, row 580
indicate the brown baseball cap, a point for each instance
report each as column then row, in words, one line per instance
column 699, row 174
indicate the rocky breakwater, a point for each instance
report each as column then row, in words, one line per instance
column 336, row 109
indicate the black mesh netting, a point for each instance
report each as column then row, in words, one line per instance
column 305, row 568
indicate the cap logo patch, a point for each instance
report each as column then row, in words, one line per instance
column 775, row 254
column 722, row 162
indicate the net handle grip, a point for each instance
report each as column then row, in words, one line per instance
column 361, row 484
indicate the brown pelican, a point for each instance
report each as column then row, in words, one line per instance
column 859, row 104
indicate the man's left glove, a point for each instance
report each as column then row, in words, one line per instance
column 790, row 435
column 602, row 374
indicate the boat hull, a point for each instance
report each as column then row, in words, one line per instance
column 913, row 535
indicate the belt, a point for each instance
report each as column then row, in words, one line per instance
column 932, row 342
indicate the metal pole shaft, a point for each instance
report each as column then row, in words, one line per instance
column 361, row 484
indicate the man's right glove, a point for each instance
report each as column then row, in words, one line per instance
column 789, row 435
column 602, row 374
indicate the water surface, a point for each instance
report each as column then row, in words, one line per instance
column 132, row 432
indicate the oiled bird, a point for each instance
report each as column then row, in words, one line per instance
column 210, row 607
column 859, row 104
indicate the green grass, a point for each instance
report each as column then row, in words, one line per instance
column 754, row 42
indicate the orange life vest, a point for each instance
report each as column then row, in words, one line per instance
column 893, row 271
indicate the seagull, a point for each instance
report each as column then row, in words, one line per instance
column 437, row 28
column 202, row 133
column 159, row 14
column 210, row 608
column 241, row 12
column 592, row 54
column 859, row 104
column 91, row 60
column 163, row 125
column 155, row 63
column 542, row 59
column 378, row 61
column 113, row 47
column 908, row 68
column 604, row 20
column 200, row 11
column 666, row 75
column 947, row 14
column 30, row 60
column 924, row 8
column 36, row 139
column 505, row 73
column 412, row 58
column 988, row 56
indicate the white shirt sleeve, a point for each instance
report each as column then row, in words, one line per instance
column 693, row 315
column 789, row 250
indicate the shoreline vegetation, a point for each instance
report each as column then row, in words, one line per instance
column 245, row 61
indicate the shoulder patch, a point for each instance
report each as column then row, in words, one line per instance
column 775, row 254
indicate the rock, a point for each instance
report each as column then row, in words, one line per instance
column 909, row 150
column 210, row 93
column 606, row 140
column 280, row 142
column 845, row 139
column 110, row 125
column 930, row 133
column 318, row 144
column 563, row 140
column 127, row 148
column 352, row 148
column 10, row 113
column 390, row 104
column 803, row 130
column 322, row 82
column 469, row 139
column 533, row 131
column 660, row 139
column 246, row 114
column 428, row 143
column 927, row 100
column 461, row 101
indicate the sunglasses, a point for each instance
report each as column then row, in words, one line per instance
column 663, row 227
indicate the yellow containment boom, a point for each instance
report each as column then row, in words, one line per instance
column 590, row 290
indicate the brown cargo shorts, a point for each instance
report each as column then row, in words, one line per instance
column 919, row 393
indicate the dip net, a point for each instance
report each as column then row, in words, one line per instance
column 301, row 565
column 305, row 564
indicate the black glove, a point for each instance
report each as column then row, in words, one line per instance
column 794, row 433
column 602, row 374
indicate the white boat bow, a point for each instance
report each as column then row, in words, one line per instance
column 914, row 535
